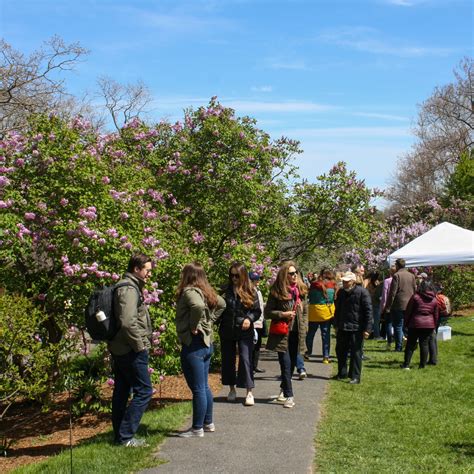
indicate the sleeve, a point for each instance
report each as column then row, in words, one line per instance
column 126, row 311
column 366, row 310
column 271, row 311
column 255, row 311
column 219, row 309
column 393, row 291
column 436, row 313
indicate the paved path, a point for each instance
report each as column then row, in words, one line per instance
column 263, row 438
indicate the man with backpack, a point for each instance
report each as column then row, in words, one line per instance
column 129, row 348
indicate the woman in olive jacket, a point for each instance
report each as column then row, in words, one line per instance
column 197, row 308
column 236, row 332
column 287, row 302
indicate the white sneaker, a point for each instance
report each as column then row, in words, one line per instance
column 210, row 428
column 289, row 403
column 192, row 433
column 249, row 400
column 303, row 375
column 232, row 395
column 281, row 398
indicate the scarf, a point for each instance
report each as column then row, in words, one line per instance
column 295, row 294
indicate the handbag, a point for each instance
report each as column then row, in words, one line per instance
column 279, row 328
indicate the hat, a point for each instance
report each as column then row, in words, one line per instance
column 348, row 276
column 424, row 276
column 254, row 276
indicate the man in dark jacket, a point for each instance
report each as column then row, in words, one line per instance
column 129, row 349
column 353, row 322
column 402, row 288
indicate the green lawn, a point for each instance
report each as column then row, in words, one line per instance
column 401, row 421
column 99, row 455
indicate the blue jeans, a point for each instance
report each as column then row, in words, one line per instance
column 397, row 322
column 388, row 327
column 195, row 361
column 325, row 336
column 131, row 376
column 376, row 313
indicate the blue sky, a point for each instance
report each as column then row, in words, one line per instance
column 343, row 76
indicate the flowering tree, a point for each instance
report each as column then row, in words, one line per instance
column 333, row 213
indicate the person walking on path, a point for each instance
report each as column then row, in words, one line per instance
column 402, row 288
column 287, row 309
column 421, row 318
column 236, row 330
column 198, row 306
column 353, row 322
column 129, row 349
column 259, row 325
column 321, row 312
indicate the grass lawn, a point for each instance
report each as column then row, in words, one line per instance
column 99, row 455
column 402, row 421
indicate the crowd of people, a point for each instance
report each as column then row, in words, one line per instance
column 395, row 309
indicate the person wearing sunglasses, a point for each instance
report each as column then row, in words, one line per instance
column 287, row 304
column 236, row 332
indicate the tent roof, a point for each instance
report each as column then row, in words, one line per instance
column 444, row 244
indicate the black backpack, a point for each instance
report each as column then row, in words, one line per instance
column 100, row 319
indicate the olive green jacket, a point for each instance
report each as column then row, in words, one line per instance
column 132, row 317
column 192, row 313
column 273, row 310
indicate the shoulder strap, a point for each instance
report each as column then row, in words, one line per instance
column 133, row 285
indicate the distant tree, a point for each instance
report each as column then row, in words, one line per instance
column 445, row 129
column 124, row 102
column 33, row 84
column 460, row 184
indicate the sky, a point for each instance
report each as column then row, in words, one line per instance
column 344, row 77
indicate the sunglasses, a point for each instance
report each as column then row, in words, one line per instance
column 292, row 273
column 234, row 275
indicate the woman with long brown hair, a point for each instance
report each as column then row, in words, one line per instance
column 198, row 306
column 287, row 309
column 236, row 332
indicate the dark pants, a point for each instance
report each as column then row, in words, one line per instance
column 131, row 376
column 256, row 347
column 423, row 335
column 195, row 361
column 244, row 377
column 433, row 346
column 346, row 341
column 288, row 363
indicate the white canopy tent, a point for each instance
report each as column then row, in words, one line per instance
column 444, row 244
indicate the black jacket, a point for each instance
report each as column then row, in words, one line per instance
column 230, row 321
column 353, row 310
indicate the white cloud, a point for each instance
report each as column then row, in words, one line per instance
column 397, row 118
column 368, row 40
column 262, row 89
column 287, row 106
column 292, row 65
column 350, row 132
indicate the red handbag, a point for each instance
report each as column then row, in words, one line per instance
column 279, row 328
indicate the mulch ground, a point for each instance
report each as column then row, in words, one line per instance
column 34, row 435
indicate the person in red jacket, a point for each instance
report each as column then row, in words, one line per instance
column 421, row 317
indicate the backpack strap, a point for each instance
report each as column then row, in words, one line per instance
column 130, row 283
